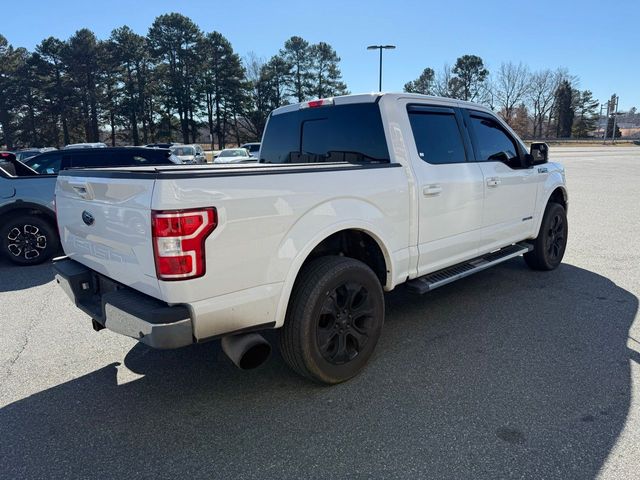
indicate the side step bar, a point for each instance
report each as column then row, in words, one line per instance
column 433, row 280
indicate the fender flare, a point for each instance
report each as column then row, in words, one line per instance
column 296, row 264
column 548, row 193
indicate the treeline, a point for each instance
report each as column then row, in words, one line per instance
column 540, row 104
column 174, row 83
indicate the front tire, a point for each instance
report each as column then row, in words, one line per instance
column 28, row 240
column 551, row 242
column 334, row 319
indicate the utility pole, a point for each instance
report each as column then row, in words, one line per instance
column 606, row 123
column 614, row 98
column 380, row 48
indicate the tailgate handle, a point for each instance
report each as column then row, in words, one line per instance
column 82, row 189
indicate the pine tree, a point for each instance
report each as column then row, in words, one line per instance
column 424, row 84
column 564, row 109
column 173, row 39
column 586, row 114
column 327, row 79
column 610, row 129
column 297, row 54
column 469, row 77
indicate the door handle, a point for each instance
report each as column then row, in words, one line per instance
column 432, row 190
column 493, row 182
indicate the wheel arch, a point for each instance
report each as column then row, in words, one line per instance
column 26, row 208
column 330, row 242
column 557, row 193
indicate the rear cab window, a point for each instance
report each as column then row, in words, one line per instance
column 334, row 133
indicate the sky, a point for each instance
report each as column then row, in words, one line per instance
column 599, row 42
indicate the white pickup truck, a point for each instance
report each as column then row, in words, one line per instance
column 352, row 197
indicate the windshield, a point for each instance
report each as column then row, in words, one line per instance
column 183, row 151
column 234, row 152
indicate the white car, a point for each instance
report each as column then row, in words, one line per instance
column 363, row 193
column 193, row 154
column 233, row 155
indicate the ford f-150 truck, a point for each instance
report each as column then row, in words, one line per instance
column 352, row 197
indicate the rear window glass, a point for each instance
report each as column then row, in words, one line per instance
column 183, row 151
column 336, row 133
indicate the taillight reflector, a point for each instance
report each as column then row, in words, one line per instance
column 178, row 242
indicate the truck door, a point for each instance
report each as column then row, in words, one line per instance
column 450, row 188
column 510, row 187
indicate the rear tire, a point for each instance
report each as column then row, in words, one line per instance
column 551, row 242
column 334, row 319
column 28, row 240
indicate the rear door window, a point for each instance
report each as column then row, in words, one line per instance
column 437, row 135
column 334, row 133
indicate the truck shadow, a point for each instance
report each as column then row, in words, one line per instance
column 507, row 374
column 15, row 277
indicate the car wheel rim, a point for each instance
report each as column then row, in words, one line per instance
column 346, row 323
column 26, row 241
column 555, row 237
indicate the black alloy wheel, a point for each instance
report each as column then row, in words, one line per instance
column 345, row 324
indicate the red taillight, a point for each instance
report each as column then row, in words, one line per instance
column 178, row 242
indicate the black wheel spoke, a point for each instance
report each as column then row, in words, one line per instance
column 326, row 340
column 345, row 319
column 359, row 336
column 341, row 354
column 330, row 306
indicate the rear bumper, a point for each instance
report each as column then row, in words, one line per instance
column 124, row 310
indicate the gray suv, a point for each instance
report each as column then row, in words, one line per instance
column 28, row 230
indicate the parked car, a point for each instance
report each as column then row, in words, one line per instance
column 189, row 153
column 28, row 233
column 27, row 153
column 86, row 145
column 363, row 193
column 253, row 148
column 233, row 155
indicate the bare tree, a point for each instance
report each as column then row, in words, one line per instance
column 255, row 118
column 541, row 97
column 510, row 87
column 442, row 85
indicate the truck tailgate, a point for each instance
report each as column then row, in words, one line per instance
column 105, row 224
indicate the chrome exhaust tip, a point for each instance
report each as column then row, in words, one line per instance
column 247, row 351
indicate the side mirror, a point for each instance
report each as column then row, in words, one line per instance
column 539, row 153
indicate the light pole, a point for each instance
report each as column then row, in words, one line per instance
column 380, row 47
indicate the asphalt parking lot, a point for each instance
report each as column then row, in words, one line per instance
column 506, row 374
